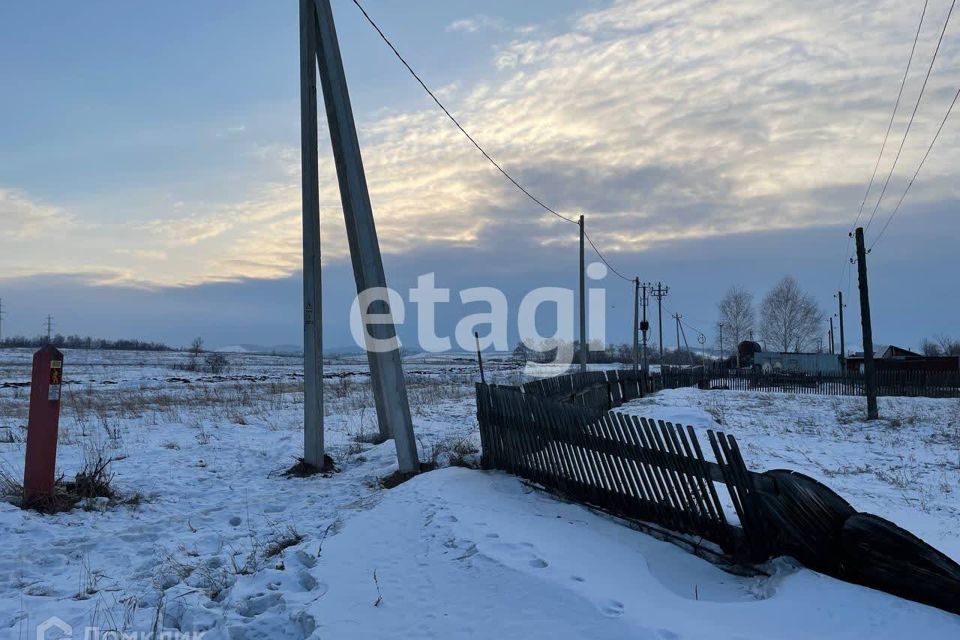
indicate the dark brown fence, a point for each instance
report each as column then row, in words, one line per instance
column 567, row 441
column 596, row 389
column 889, row 383
column 639, row 468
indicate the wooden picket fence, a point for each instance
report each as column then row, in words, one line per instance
column 598, row 389
column 637, row 468
column 561, row 434
column 889, row 383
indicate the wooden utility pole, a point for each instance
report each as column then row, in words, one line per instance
column 636, row 325
column 583, row 304
column 1, row 319
column 832, row 345
column 869, row 370
column 313, row 445
column 386, row 370
column 843, row 344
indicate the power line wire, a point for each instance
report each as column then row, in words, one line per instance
column 384, row 37
column 915, row 173
column 893, row 115
column 886, row 136
column 605, row 261
column 486, row 155
column 912, row 116
column 682, row 321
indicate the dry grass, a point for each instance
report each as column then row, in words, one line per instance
column 87, row 409
column 284, row 540
column 10, row 487
column 454, row 451
column 302, row 469
column 94, row 481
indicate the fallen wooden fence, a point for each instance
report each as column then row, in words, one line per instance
column 650, row 470
column 562, row 434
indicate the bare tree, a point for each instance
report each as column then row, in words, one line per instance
column 736, row 316
column 941, row 345
column 930, row 348
column 790, row 318
column 195, row 349
column 948, row 345
column 216, row 363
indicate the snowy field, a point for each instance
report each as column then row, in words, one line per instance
column 208, row 535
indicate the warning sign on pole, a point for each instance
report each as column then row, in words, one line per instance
column 43, row 424
column 56, row 378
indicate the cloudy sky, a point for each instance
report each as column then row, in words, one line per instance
column 149, row 157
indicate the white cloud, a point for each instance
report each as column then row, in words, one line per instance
column 227, row 132
column 669, row 121
column 476, row 23
column 24, row 218
column 717, row 117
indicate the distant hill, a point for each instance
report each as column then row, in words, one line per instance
column 281, row 349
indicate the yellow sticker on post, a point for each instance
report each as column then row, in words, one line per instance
column 56, row 380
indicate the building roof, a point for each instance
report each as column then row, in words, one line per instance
column 889, row 351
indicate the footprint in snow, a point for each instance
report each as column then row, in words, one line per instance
column 138, row 536
column 309, row 583
column 613, row 609
column 253, row 606
column 306, row 559
column 539, row 563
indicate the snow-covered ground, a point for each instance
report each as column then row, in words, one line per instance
column 218, row 540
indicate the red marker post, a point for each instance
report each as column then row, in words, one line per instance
column 43, row 424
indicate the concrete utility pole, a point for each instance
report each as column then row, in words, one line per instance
column 386, row 370
column 636, row 325
column 49, row 328
column 313, row 445
column 869, row 370
column 843, row 344
column 677, row 317
column 583, row 304
column 659, row 294
column 644, row 327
